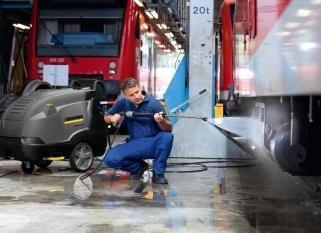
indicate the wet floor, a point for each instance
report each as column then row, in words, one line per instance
column 258, row 198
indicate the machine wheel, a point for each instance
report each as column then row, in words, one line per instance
column 27, row 167
column 43, row 163
column 288, row 157
column 81, row 157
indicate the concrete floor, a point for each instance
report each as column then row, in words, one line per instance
column 259, row 198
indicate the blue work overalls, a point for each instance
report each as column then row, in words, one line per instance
column 146, row 140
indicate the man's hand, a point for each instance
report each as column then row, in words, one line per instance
column 159, row 117
column 162, row 122
column 114, row 119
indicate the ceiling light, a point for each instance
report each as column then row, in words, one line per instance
column 164, row 26
column 149, row 14
column 154, row 13
column 21, row 26
column 303, row 13
column 139, row 3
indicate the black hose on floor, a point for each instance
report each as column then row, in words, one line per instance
column 7, row 174
column 203, row 164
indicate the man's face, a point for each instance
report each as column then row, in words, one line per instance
column 134, row 95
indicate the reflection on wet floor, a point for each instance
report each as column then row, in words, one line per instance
column 258, row 198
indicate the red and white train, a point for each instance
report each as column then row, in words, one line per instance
column 270, row 68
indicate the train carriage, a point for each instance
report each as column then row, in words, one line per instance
column 270, row 67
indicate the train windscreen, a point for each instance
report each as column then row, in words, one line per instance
column 80, row 27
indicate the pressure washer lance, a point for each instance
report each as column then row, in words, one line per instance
column 189, row 101
column 132, row 114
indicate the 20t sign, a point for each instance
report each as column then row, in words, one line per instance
column 201, row 10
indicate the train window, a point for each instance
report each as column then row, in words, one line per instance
column 84, row 29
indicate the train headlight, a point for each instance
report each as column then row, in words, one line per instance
column 40, row 64
column 112, row 67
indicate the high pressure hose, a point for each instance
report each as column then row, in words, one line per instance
column 83, row 186
column 109, row 143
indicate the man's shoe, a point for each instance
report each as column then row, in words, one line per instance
column 159, row 179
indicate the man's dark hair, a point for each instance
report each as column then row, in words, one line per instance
column 128, row 83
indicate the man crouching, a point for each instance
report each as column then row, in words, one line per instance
column 149, row 137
